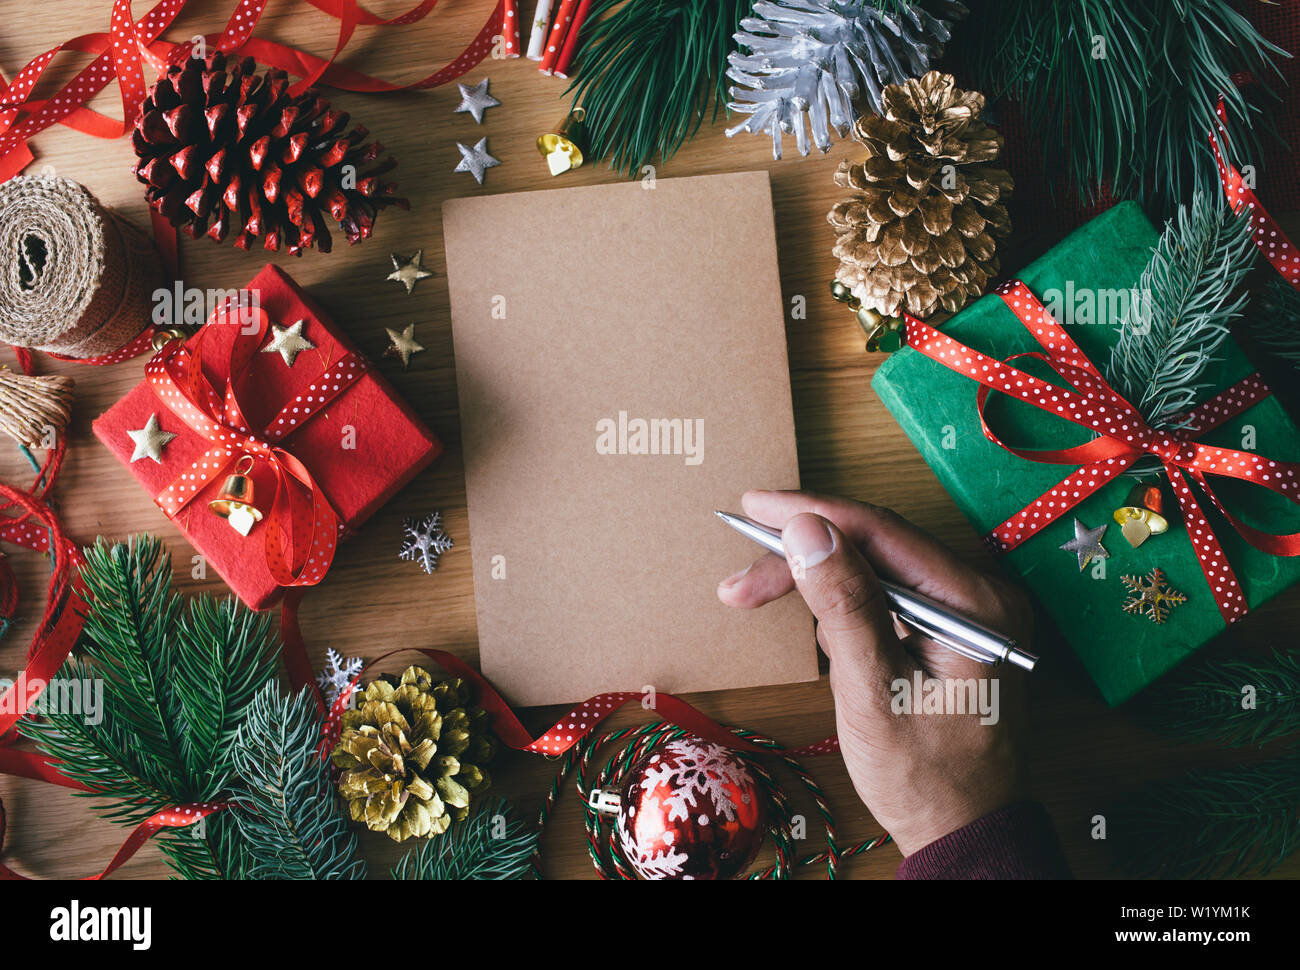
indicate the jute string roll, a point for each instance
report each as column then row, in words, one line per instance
column 76, row 279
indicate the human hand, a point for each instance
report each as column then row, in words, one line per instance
column 922, row 775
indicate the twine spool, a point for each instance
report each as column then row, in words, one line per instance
column 75, row 279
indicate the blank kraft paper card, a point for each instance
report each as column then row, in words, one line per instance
column 621, row 364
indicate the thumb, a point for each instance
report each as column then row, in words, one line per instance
column 854, row 625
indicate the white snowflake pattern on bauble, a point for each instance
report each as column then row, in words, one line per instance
column 690, row 809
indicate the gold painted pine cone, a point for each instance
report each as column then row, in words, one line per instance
column 918, row 234
column 412, row 755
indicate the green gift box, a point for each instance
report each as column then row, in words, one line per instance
column 936, row 408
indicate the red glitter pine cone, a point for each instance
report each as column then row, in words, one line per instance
column 220, row 148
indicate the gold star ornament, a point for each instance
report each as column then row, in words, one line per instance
column 150, row 440
column 402, row 345
column 410, row 271
column 287, row 342
column 1151, row 596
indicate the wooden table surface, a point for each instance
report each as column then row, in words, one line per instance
column 1083, row 755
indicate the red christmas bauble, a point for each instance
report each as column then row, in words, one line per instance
column 690, row 809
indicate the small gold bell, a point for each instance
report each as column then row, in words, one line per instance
column 235, row 502
column 163, row 337
column 884, row 334
column 1142, row 514
column 564, row 146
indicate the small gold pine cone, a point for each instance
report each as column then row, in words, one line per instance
column 919, row 233
column 412, row 755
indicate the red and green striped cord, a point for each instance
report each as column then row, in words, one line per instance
column 602, row 841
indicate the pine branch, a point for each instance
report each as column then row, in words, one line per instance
column 491, row 844
column 285, row 804
column 1276, row 323
column 175, row 684
column 213, row 692
column 1224, row 823
column 1209, row 700
column 211, row 849
column 651, row 71
column 1125, row 92
column 1186, row 298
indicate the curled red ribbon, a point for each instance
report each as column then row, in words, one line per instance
column 1123, row 436
column 121, row 51
column 573, row 726
column 301, row 528
column 1269, row 237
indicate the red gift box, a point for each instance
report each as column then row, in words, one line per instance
column 329, row 464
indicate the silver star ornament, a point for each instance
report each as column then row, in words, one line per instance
column 150, row 440
column 1086, row 544
column 288, row 341
column 476, row 160
column 475, row 100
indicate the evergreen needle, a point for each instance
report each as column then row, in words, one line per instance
column 490, row 844
column 284, row 803
column 173, row 684
column 1125, row 93
column 650, row 73
column 1233, row 701
column 1230, row 822
column 1185, row 300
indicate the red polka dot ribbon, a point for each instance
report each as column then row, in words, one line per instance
column 570, row 729
column 1270, row 239
column 121, row 52
column 1122, row 437
column 301, row 528
column 178, row 816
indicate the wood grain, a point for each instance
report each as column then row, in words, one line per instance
column 1083, row 755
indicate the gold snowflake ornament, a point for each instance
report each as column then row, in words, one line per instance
column 1151, row 596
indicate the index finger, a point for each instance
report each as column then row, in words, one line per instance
column 896, row 549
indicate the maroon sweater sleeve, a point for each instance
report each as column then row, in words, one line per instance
column 1015, row 842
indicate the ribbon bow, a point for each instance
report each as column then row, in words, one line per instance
column 301, row 529
column 1123, row 436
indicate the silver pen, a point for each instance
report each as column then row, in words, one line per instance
column 927, row 617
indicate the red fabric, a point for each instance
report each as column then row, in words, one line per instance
column 1015, row 842
column 392, row 444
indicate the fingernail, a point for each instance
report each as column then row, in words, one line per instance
column 732, row 580
column 808, row 541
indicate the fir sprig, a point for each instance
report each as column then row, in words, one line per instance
column 490, row 844
column 176, row 683
column 1185, row 300
column 1276, row 324
column 1233, row 701
column 284, row 803
column 650, row 73
column 1125, row 92
column 1229, row 822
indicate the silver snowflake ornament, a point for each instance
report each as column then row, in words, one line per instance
column 829, row 60
column 476, row 160
column 337, row 675
column 425, row 541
